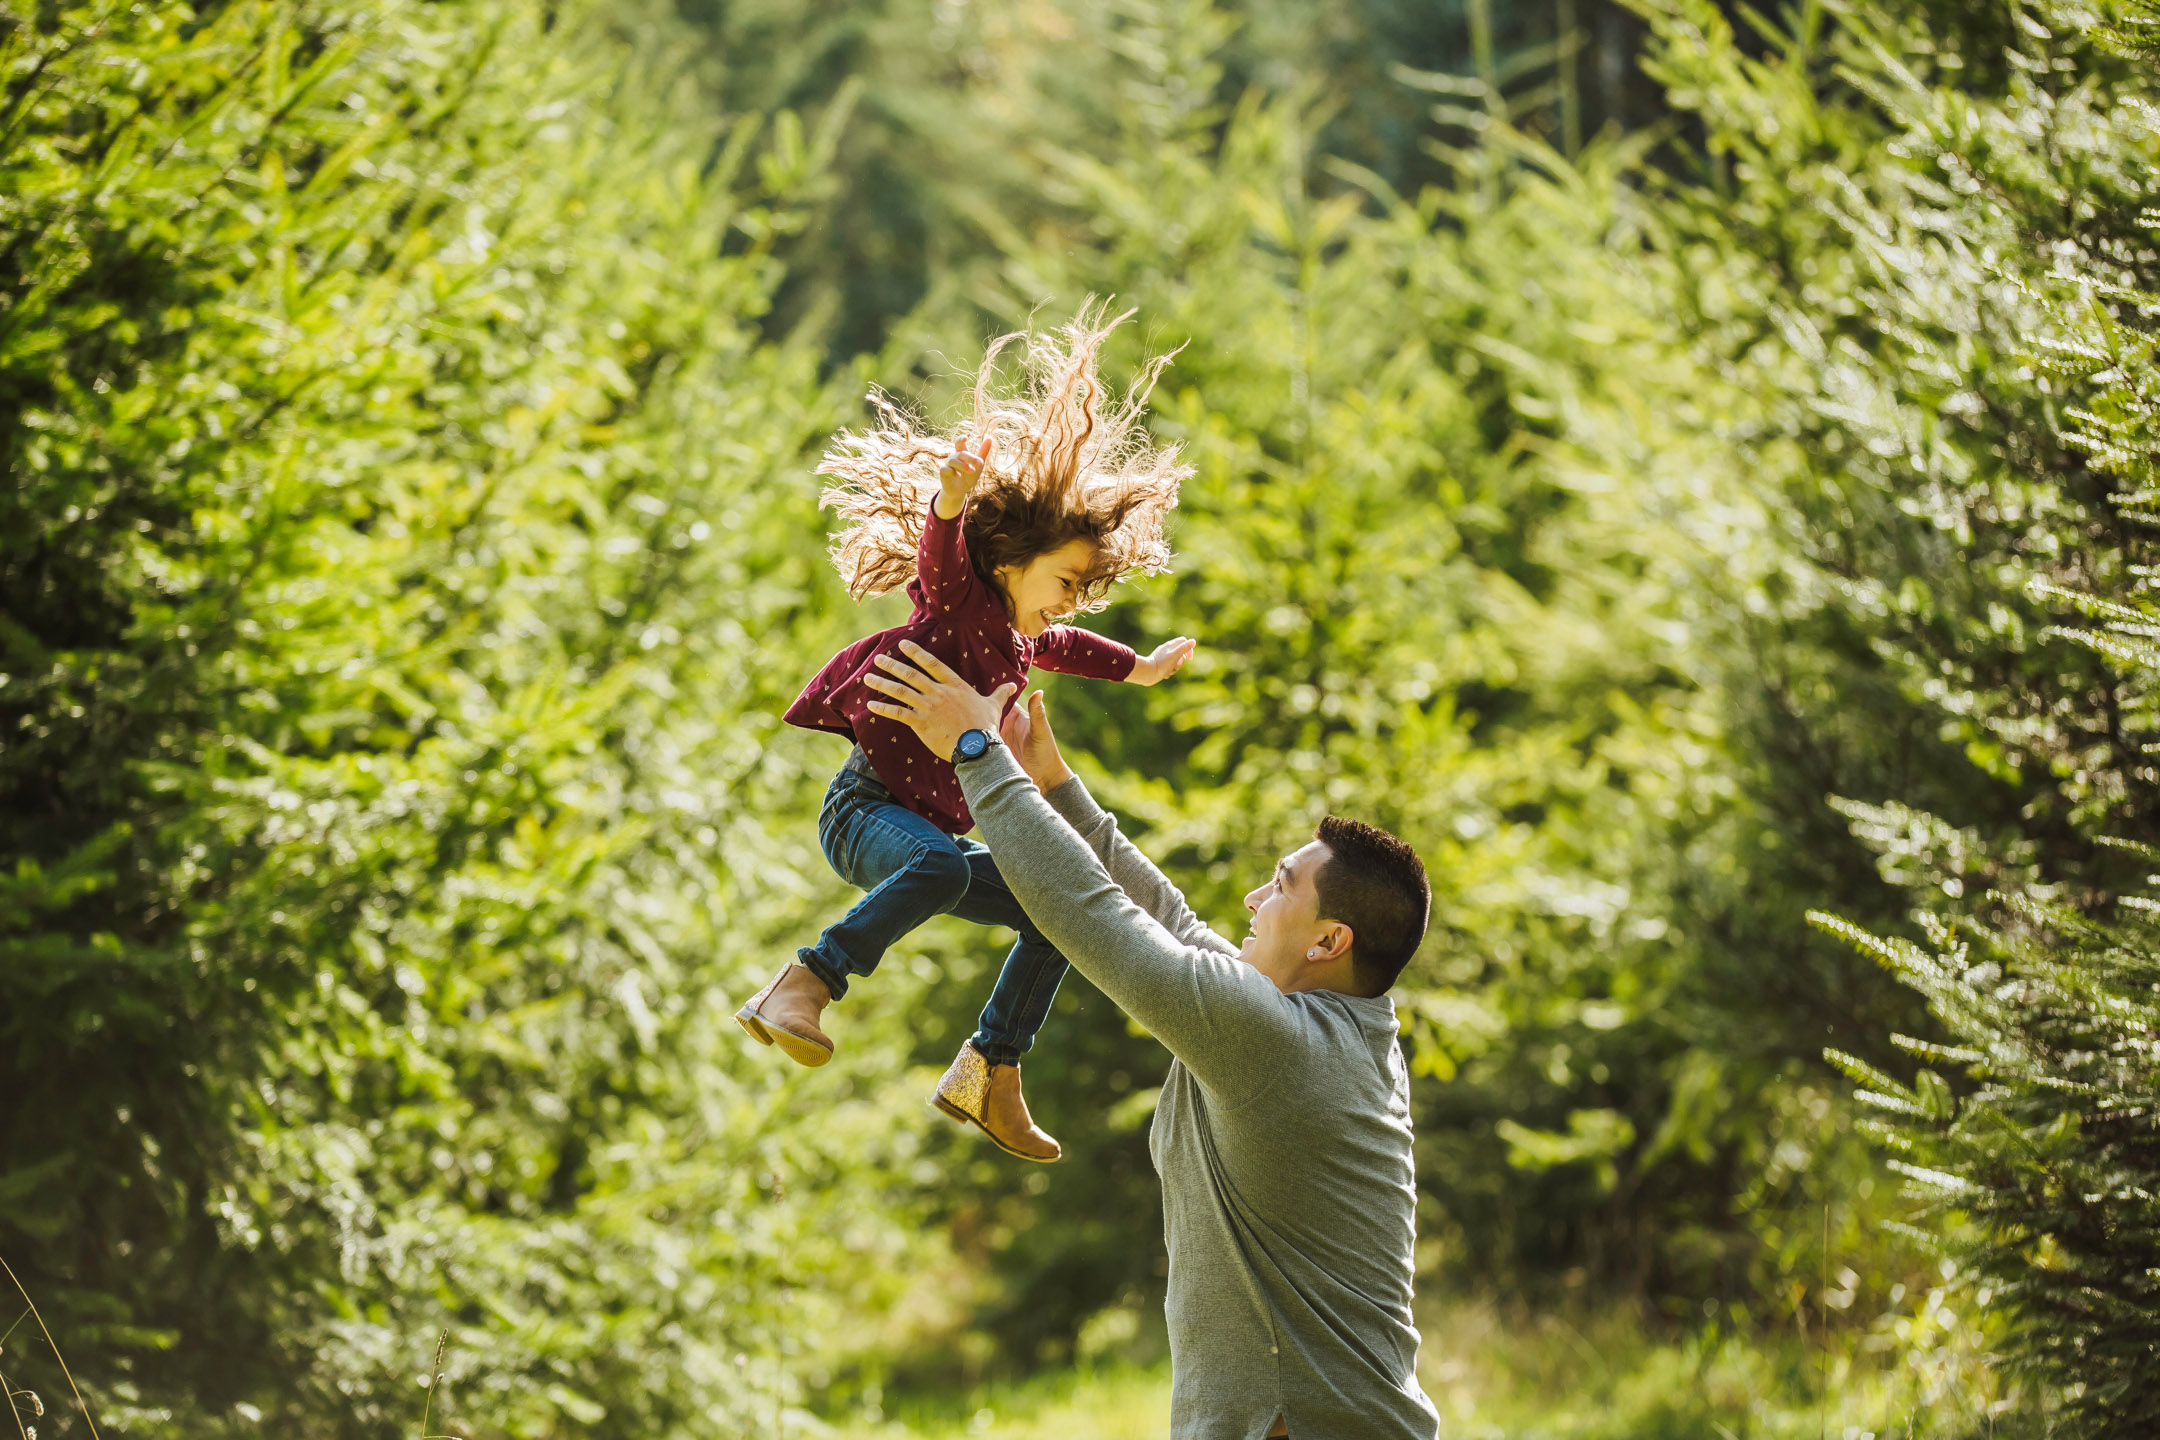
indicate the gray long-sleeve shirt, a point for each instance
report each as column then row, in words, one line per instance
column 1282, row 1138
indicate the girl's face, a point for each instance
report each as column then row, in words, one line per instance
column 1045, row 590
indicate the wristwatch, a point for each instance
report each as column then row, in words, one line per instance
column 974, row 744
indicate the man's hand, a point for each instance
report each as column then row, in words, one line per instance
column 932, row 701
column 1168, row 658
column 956, row 477
column 1027, row 731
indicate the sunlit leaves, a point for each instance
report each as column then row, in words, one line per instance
column 401, row 582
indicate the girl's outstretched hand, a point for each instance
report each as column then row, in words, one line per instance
column 1167, row 659
column 957, row 476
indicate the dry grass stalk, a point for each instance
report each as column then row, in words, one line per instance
column 38, row 1405
column 435, row 1375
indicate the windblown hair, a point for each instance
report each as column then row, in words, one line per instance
column 1069, row 462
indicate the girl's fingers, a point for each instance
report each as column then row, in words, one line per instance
column 967, row 454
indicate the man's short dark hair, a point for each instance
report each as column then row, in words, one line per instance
column 1375, row 884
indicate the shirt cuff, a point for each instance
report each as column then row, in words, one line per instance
column 996, row 764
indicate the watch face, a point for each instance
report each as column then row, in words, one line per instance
column 973, row 743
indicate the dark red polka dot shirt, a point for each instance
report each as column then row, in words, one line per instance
column 962, row 621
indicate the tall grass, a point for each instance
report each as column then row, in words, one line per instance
column 17, row 1399
column 1499, row 1369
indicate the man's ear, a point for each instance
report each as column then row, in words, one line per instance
column 1332, row 943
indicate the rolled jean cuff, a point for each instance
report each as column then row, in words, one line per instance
column 996, row 1052
column 816, row 964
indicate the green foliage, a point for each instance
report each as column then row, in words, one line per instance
column 946, row 110
column 1462, row 563
column 408, row 544
column 1939, row 266
column 398, row 604
column 2040, row 1177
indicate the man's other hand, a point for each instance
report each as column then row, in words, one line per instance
column 933, row 701
column 1027, row 731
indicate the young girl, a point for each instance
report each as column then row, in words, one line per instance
column 1038, row 506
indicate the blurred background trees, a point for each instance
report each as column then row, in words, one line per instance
column 1684, row 470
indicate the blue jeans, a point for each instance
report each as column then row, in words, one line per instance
column 912, row 871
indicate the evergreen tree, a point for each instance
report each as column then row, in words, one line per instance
column 1928, row 246
column 946, row 110
column 398, row 599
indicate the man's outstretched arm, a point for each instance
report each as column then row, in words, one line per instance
column 1220, row 1016
column 1134, row 873
column 1223, row 1018
column 1026, row 729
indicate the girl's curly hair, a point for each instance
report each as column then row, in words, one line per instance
column 1069, row 463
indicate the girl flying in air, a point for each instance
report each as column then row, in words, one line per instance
column 1027, row 515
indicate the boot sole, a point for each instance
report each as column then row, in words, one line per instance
column 939, row 1102
column 801, row 1051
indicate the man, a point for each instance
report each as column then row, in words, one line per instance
column 1283, row 1133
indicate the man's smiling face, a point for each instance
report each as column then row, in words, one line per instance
column 1286, row 923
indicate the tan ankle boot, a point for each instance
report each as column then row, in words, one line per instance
column 785, row 1013
column 988, row 1097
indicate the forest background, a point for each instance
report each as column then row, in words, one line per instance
column 1687, row 470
